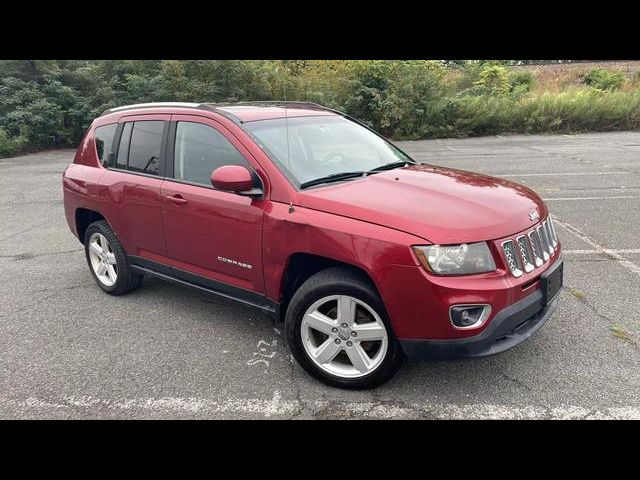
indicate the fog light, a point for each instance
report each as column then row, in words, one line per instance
column 468, row 316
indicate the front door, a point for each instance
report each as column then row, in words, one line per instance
column 209, row 233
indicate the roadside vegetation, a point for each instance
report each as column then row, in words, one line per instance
column 49, row 103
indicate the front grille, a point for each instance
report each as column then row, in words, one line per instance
column 534, row 248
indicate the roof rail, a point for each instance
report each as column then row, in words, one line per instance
column 275, row 103
column 153, row 105
column 219, row 107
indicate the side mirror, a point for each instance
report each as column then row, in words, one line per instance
column 236, row 179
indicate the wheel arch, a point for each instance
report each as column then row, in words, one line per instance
column 85, row 217
column 300, row 266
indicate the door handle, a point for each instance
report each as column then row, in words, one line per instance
column 177, row 199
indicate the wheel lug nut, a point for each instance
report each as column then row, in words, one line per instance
column 334, row 330
column 349, row 343
column 337, row 340
column 354, row 334
column 344, row 325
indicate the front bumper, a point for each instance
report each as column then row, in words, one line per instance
column 511, row 326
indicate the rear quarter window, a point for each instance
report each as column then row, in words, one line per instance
column 104, row 141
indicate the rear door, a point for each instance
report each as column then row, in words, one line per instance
column 130, row 188
column 212, row 234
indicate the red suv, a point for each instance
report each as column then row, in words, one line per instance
column 305, row 213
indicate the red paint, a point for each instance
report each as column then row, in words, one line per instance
column 231, row 178
column 370, row 223
column 438, row 204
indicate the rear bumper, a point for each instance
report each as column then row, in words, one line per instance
column 509, row 327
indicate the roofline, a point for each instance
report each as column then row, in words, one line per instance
column 151, row 105
column 196, row 106
column 279, row 103
column 217, row 107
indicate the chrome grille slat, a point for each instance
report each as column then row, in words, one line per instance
column 534, row 238
column 543, row 242
column 525, row 251
column 552, row 227
column 513, row 260
column 547, row 230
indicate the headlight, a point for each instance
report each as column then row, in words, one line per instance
column 461, row 259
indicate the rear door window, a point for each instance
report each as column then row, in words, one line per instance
column 144, row 149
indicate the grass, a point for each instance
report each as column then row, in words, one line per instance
column 618, row 332
column 573, row 111
column 576, row 293
column 559, row 77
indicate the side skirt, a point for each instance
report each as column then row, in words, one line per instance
column 181, row 277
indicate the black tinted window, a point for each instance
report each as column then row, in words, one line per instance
column 144, row 151
column 104, row 140
column 199, row 150
column 123, row 149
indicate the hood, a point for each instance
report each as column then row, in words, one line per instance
column 441, row 205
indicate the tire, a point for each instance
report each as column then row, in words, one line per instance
column 113, row 254
column 307, row 335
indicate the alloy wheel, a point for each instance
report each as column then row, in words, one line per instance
column 103, row 260
column 344, row 336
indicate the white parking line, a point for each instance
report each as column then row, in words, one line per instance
column 586, row 252
column 276, row 406
column 555, row 174
column 632, row 267
column 564, row 199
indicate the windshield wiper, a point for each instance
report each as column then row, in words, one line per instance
column 334, row 177
column 391, row 166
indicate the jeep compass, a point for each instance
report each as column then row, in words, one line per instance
column 365, row 255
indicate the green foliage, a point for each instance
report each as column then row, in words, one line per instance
column 49, row 104
column 602, row 79
column 521, row 81
column 11, row 146
column 494, row 80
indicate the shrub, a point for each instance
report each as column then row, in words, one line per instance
column 602, row 79
column 11, row 146
column 494, row 80
column 50, row 103
column 521, row 81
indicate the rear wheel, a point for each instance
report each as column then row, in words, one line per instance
column 338, row 330
column 108, row 261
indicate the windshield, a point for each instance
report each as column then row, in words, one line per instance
column 319, row 146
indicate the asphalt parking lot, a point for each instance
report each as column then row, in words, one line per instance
column 68, row 350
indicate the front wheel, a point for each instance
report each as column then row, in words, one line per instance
column 338, row 331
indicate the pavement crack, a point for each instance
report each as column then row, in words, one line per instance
column 29, row 256
column 29, row 306
column 62, row 289
column 23, row 231
column 52, row 291
column 516, row 381
column 300, row 404
column 616, row 330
